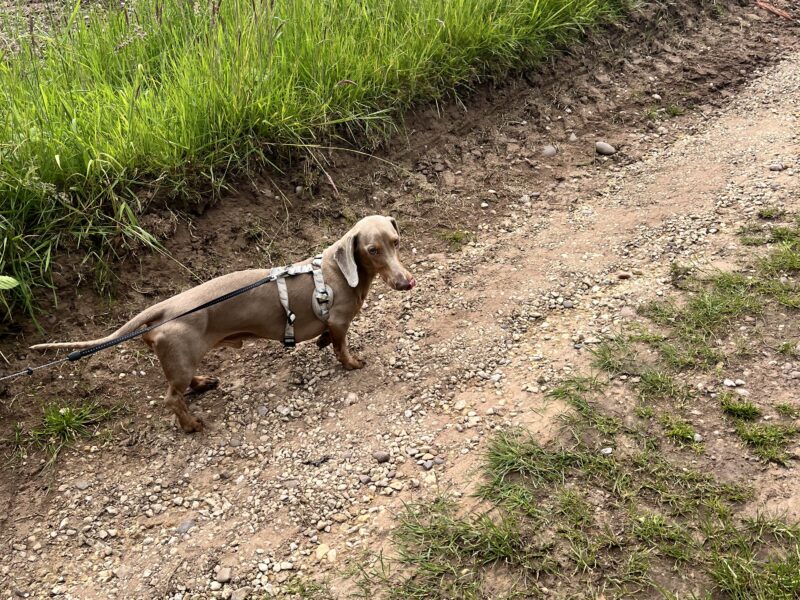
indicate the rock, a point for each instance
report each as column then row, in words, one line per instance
column 484, row 205
column 698, row 437
column 381, row 456
column 82, row 484
column 427, row 465
column 729, row 383
column 777, row 167
column 624, row 275
column 331, row 556
column 216, row 585
column 604, row 148
column 573, row 137
column 242, row 593
column 185, row 526
column 364, row 479
column 655, row 97
column 568, row 304
column 283, row 410
column 223, row 575
column 322, row 551
column 606, row 451
column 549, row 151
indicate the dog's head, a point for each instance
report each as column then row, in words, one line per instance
column 373, row 246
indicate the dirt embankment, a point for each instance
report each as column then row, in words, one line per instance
column 525, row 260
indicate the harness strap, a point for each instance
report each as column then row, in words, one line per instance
column 323, row 295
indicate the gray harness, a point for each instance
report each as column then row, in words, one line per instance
column 321, row 301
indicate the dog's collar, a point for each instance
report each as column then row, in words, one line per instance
column 321, row 301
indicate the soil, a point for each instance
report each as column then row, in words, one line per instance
column 524, row 261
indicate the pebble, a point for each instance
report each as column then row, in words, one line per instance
column 484, row 205
column 185, row 526
column 223, row 575
column 777, row 167
column 698, row 437
column 605, row 148
column 322, row 551
column 242, row 593
column 606, row 451
column 573, row 137
column 381, row 456
column 549, row 151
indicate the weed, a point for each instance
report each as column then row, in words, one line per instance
column 660, row 385
column 738, row 408
column 768, row 441
column 60, row 427
column 771, row 212
column 675, row 110
column 790, row 349
column 790, row 411
column 678, row 430
column 456, row 238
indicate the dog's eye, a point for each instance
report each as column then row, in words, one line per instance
column 372, row 250
column 397, row 243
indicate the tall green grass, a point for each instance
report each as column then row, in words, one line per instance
column 104, row 107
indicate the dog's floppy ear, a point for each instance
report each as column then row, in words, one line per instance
column 394, row 224
column 345, row 257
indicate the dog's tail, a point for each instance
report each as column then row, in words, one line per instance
column 147, row 317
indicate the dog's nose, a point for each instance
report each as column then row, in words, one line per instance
column 406, row 284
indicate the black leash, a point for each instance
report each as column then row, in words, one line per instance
column 78, row 354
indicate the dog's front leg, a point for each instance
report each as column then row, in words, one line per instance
column 339, row 339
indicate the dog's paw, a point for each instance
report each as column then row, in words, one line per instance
column 354, row 364
column 194, row 425
column 203, row 383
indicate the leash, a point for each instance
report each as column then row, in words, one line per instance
column 78, row 354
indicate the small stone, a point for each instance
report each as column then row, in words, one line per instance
column 283, row 410
column 381, row 456
column 573, row 137
column 185, row 526
column 396, row 485
column 605, row 149
column 698, row 437
column 298, row 189
column 624, row 275
column 777, row 167
column 729, row 383
column 655, row 97
column 331, row 556
column 606, row 451
column 216, row 585
column 484, row 205
column 568, row 304
column 287, row 566
column 223, row 575
column 82, row 485
column 242, row 593
column 427, row 465
column 549, row 151
column 364, row 479
column 322, row 551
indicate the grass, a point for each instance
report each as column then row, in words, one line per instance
column 101, row 110
column 738, row 408
column 60, row 427
column 456, row 238
column 678, row 430
column 768, row 441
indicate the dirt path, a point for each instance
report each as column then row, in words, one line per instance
column 290, row 477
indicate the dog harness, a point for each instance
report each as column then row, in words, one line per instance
column 321, row 301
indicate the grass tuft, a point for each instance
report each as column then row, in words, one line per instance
column 738, row 408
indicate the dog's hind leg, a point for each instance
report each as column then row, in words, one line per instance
column 179, row 354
